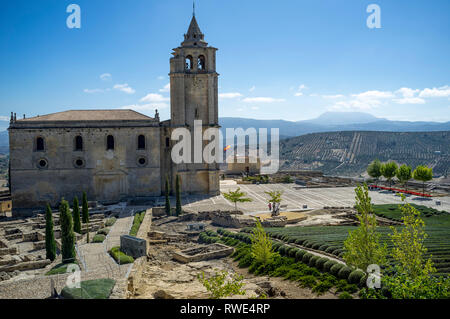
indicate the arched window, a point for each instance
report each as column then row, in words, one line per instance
column 189, row 62
column 201, row 63
column 40, row 145
column 141, row 142
column 78, row 143
column 110, row 142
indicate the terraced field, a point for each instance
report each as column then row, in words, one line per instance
column 330, row 238
column 349, row 153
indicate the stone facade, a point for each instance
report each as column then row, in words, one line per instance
column 117, row 155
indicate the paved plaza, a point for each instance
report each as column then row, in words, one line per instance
column 295, row 196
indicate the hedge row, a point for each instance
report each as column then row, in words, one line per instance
column 321, row 263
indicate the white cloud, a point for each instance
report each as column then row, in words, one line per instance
column 145, row 107
column 92, row 91
column 443, row 91
column 409, row 100
column 408, row 96
column 5, row 118
column 106, row 77
column 166, row 88
column 124, row 88
column 337, row 96
column 262, row 100
column 370, row 95
column 255, row 108
column 300, row 89
column 161, row 77
column 231, row 95
column 252, row 88
column 154, row 98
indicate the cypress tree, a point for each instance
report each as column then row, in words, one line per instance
column 67, row 234
column 167, row 197
column 76, row 216
column 85, row 209
column 50, row 244
column 178, row 195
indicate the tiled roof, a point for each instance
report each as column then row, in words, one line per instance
column 89, row 115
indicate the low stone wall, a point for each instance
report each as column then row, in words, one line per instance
column 213, row 251
column 26, row 265
column 138, row 266
column 8, row 251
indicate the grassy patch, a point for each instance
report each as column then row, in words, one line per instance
column 137, row 221
column 99, row 238
column 59, row 269
column 120, row 257
column 90, row 289
column 110, row 221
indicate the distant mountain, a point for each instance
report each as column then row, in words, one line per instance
column 334, row 122
column 348, row 153
column 4, row 142
column 343, row 118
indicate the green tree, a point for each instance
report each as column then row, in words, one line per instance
column 404, row 174
column 50, row 244
column 275, row 197
column 76, row 216
column 411, row 274
column 374, row 170
column 261, row 249
column 85, row 209
column 222, row 284
column 167, row 192
column 236, row 197
column 424, row 174
column 67, row 234
column 388, row 170
column 362, row 246
column 178, row 195
column 408, row 244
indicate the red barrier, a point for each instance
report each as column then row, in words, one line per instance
column 400, row 191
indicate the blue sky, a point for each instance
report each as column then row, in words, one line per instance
column 290, row 59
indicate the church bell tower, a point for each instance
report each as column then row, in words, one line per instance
column 194, row 97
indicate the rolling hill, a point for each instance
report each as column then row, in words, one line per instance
column 349, row 153
column 334, row 122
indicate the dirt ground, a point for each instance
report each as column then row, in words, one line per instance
column 164, row 278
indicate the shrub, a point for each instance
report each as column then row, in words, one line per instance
column 330, row 250
column 299, row 241
column 323, row 247
column 292, row 251
column 312, row 261
column 99, row 238
column 321, row 262
column 363, row 281
column 345, row 295
column 291, row 240
column 328, row 264
column 120, row 257
column 110, row 221
column 306, row 257
column 316, row 246
column 308, row 281
column 283, row 250
column 103, row 231
column 345, row 272
column 356, row 276
column 336, row 268
column 137, row 221
column 299, row 254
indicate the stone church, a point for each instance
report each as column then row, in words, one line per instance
column 116, row 155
